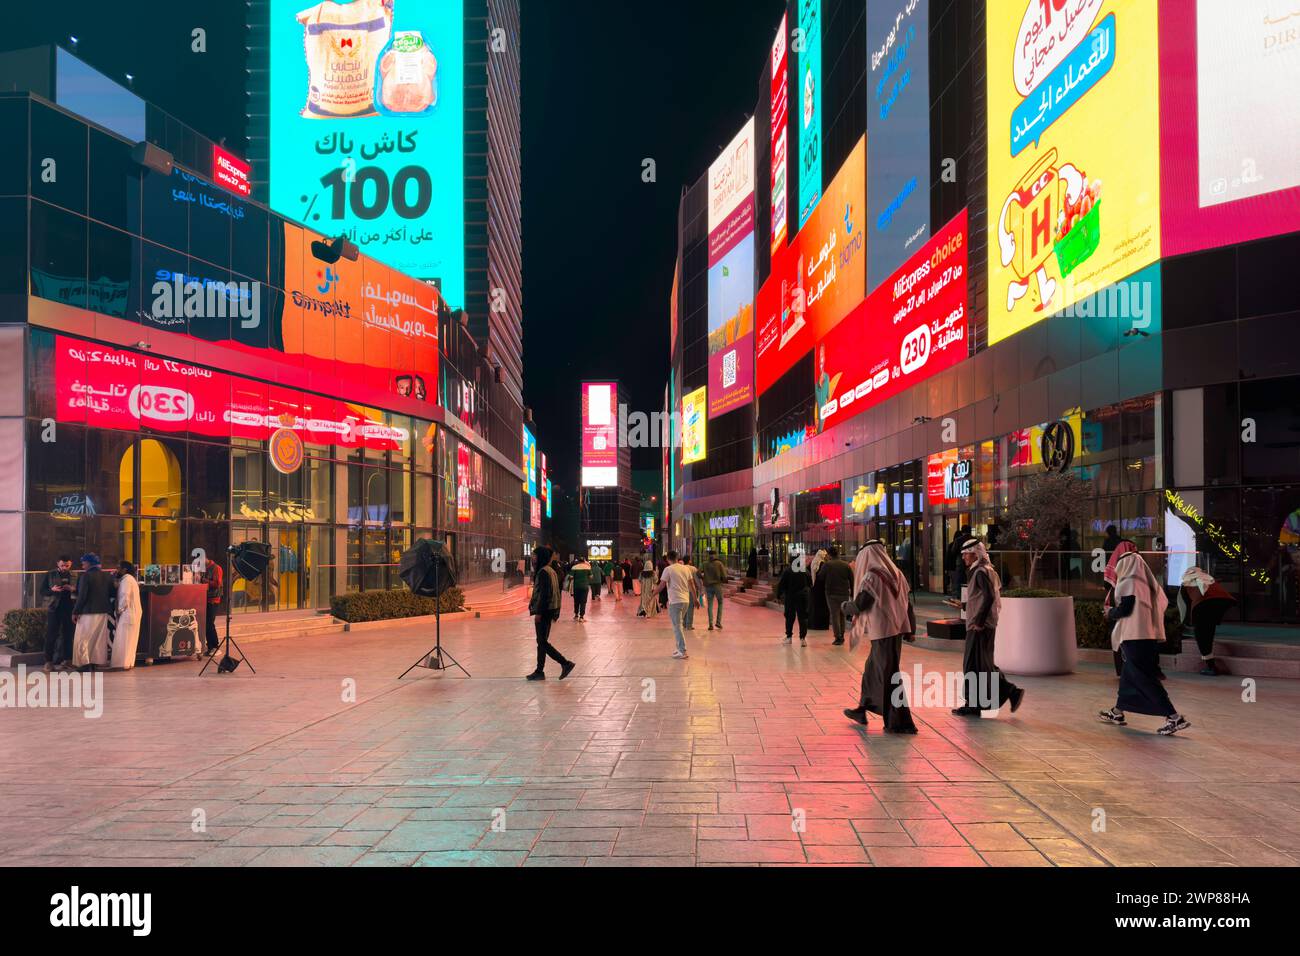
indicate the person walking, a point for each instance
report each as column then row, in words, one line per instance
column 883, row 613
column 597, row 579
column 579, row 580
column 544, row 606
column 678, row 584
column 649, row 591
column 751, row 569
column 57, row 588
column 629, row 576
column 616, row 581
column 955, row 559
column 126, row 627
column 838, row 575
column 214, row 578
column 90, row 615
column 1122, row 547
column 794, row 589
column 819, row 614
column 697, row 592
column 1139, row 616
column 714, row 575
column 1202, row 602
column 984, row 681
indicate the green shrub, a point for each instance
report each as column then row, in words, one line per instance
column 1032, row 593
column 1090, row 628
column 361, row 606
column 23, row 629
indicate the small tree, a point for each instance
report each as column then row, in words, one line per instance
column 1045, row 504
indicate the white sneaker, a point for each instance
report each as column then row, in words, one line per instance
column 680, row 655
column 786, row 641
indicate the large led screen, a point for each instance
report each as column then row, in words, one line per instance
column 780, row 138
column 911, row 327
column 366, row 128
column 599, row 434
column 530, row 462
column 1229, row 121
column 731, row 275
column 898, row 141
column 693, row 426
column 819, row 278
column 1074, row 168
column 809, row 101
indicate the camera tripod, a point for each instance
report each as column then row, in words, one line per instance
column 223, row 649
column 436, row 659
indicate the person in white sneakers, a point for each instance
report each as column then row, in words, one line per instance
column 1139, row 616
column 679, row 582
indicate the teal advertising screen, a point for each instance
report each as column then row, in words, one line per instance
column 808, row 98
column 366, row 129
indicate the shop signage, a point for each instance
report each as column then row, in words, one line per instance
column 230, row 171
column 724, row 523
column 600, row 549
column 286, row 451
column 956, row 480
column 1057, row 446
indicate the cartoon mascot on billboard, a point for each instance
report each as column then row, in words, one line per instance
column 1053, row 211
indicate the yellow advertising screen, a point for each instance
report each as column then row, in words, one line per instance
column 1074, row 157
column 694, row 416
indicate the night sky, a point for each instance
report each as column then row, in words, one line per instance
column 606, row 85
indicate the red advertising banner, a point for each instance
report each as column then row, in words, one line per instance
column 230, row 171
column 911, row 327
column 819, row 278
column 110, row 388
column 780, row 133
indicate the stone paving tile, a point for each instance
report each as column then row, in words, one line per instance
column 743, row 758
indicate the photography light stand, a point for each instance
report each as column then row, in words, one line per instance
column 433, row 658
column 223, row 649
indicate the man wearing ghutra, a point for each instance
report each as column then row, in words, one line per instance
column 983, row 602
column 881, row 609
column 1139, row 616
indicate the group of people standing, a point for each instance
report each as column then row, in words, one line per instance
column 94, row 623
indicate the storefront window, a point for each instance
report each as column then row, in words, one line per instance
column 247, row 480
column 209, row 481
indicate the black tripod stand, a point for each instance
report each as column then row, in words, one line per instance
column 223, row 649
column 434, row 658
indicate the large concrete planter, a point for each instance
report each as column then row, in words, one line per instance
column 1036, row 636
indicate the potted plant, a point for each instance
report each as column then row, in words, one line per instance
column 1036, row 633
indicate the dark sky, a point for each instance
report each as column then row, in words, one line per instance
column 605, row 86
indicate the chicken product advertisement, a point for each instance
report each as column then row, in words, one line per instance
column 1074, row 152
column 367, row 128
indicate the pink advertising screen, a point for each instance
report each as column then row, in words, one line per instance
column 1229, row 121
column 599, row 434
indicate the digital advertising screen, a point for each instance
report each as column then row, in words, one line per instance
column 731, row 275
column 694, row 417
column 809, row 102
column 1073, row 152
column 112, row 388
column 1230, row 143
column 912, row 326
column 599, row 434
column 530, row 462
column 366, row 128
column 898, row 128
column 780, row 138
column 819, row 278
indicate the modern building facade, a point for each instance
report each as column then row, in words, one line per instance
column 185, row 369
column 1134, row 339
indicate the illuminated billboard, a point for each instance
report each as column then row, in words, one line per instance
column 731, row 275
column 911, row 327
column 693, row 425
column 530, row 462
column 780, row 138
column 1074, row 162
column 366, row 128
column 1229, row 142
column 599, row 434
column 898, row 123
column 809, row 96
column 819, row 278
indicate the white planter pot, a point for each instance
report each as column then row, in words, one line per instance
column 1036, row 636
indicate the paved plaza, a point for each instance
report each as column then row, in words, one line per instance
column 738, row 755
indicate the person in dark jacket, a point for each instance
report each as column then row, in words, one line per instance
column 57, row 587
column 955, row 559
column 987, row 688
column 544, row 606
column 838, row 575
column 793, row 588
column 214, row 578
column 751, row 570
column 90, row 613
column 1111, row 541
